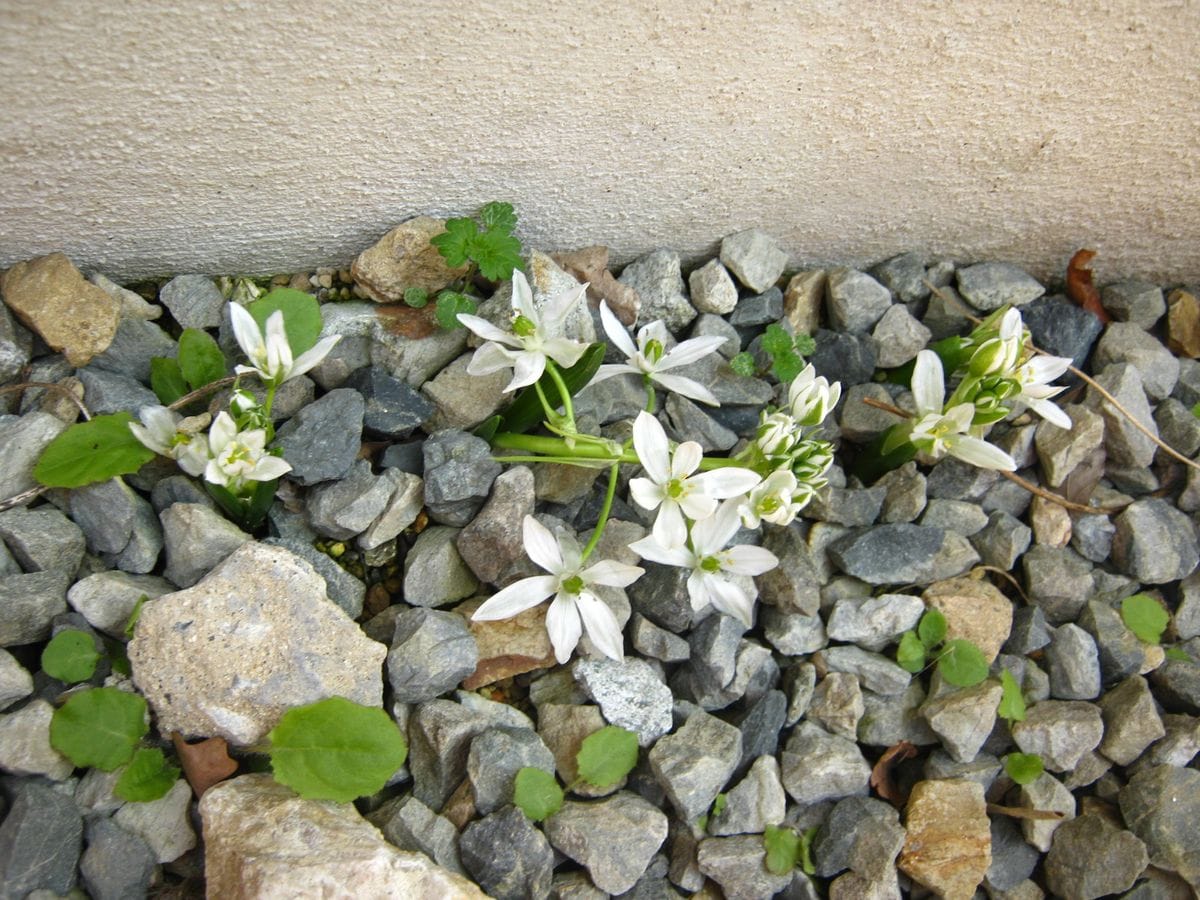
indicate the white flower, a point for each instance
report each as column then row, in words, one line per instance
column 810, row 397
column 650, row 359
column 164, row 431
column 574, row 607
column 998, row 355
column 239, row 456
column 673, row 487
column 271, row 358
column 530, row 336
column 712, row 564
column 776, row 433
column 939, row 432
column 773, row 500
column 1034, row 377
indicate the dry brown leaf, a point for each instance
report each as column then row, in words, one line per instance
column 1080, row 286
column 204, row 764
column 881, row 774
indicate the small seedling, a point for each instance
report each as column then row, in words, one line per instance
column 1012, row 702
column 1145, row 617
column 604, row 758
column 1023, row 768
column 958, row 661
column 70, row 656
column 99, row 727
column 786, row 849
column 484, row 244
column 787, row 353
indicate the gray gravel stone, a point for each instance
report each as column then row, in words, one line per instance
column 712, row 290
column 615, row 839
column 1137, row 302
column 736, row 864
column 434, row 573
column 758, row 310
column 196, row 539
column 794, row 585
column 898, row 337
column 817, row 765
column 630, row 694
column 1060, row 732
column 344, row 589
column 837, row 704
column 107, row 392
column 856, row 301
column 1046, row 793
column 687, row 421
column 953, row 479
column 106, row 511
column 1063, row 450
column 1001, row 542
column 494, row 759
column 659, row 283
column 754, row 257
column 853, row 507
column 876, row 673
column 1091, row 857
column 23, row 439
column 193, row 300
column 1155, row 543
column 1179, row 745
column 401, row 510
column 695, row 762
column 15, row 346
column 25, row 743
column 31, row 603
column 905, row 497
column 891, row 718
column 117, row 864
column 1131, row 721
column 874, row 622
column 848, row 358
column 1091, row 537
column 461, row 399
column 135, row 343
column 1161, row 805
column 42, row 540
column 322, row 440
column 657, row 643
column 904, row 276
column 1177, row 427
column 431, row 653
column 439, row 738
column 991, row 285
column 1074, row 664
column 661, row 596
column 492, row 542
column 903, row 554
column 40, row 839
column 15, row 682
column 411, row 825
column 459, row 471
column 508, row 856
column 964, row 718
column 1058, row 580
column 1121, row 654
column 1013, row 860
column 1126, row 445
column 1127, row 343
column 793, row 634
column 346, row 508
column 958, row 516
column 391, row 407
column 861, row 834
column 1187, row 614
column 757, row 801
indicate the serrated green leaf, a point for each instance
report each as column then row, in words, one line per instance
column 335, row 749
column 92, row 451
column 783, row 849
column 806, row 344
column 147, row 777
column 910, row 655
column 70, row 656
column 416, row 297
column 1012, row 701
column 962, row 664
column 932, row 628
column 606, row 756
column 537, row 794
column 1145, row 617
column 449, row 305
column 498, row 216
column 1023, row 768
column 455, row 242
column 99, row 727
column 786, row 366
column 201, row 361
column 743, row 364
column 301, row 316
column 777, row 339
column 166, row 379
column 526, row 410
column 496, row 253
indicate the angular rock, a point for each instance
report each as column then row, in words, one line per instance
column 948, row 844
column 164, row 824
column 862, row 834
column 322, row 440
column 736, row 864
column 25, row 743
column 964, row 718
column 1160, row 805
column 1125, row 444
column 1121, row 653
column 196, row 539
column 1128, row 343
column 116, row 864
column 40, row 839
column 758, row 800
column 754, row 257
column 659, row 283
column 630, row 694
column 24, row 438
column 1060, row 732
column 1091, row 857
column 903, row 554
column 1057, row 580
column 193, row 300
column 262, row 616
column 107, row 392
column 856, row 301
column 1046, row 793
column 507, row 647
column 837, row 704
column 259, row 833
column 342, row 588
column 411, row 825
column 1183, row 323
column 1137, row 302
column 974, row 610
column 31, row 603
column 1154, row 542
column 1062, row 450
column 991, row 285
column 1013, row 860
column 493, row 541
column 877, row 673
column 803, row 299
column 494, row 759
column 889, row 719
column 403, row 258
column 434, row 573
column 461, row 399
column 15, row 681
column 712, row 290
column 817, row 765
column 42, row 540
column 904, row 276
column 564, row 727
column 844, row 357
column 431, row 653
column 874, row 622
column 958, row 516
column 614, row 839
column 459, row 471
column 1131, row 721
column 1074, row 664
column 439, row 737
column 508, row 856
column 694, row 763
column 16, row 345
column 392, row 408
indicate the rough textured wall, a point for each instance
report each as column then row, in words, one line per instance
column 147, row 138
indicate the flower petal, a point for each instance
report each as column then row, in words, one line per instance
column 691, row 350
column 928, row 383
column 516, row 598
column 279, row 351
column 269, row 468
column 563, row 626
column 564, row 351
column 608, row 370
column 713, row 533
column 1044, row 369
column 489, row 358
column 612, row 573
column 669, row 528
column 649, row 548
column 541, row 545
column 601, row 624
column 245, row 329
column 727, row 597
column 728, row 481
column 527, row 368
column 487, row 330
column 746, row 559
column 522, row 297
column 686, row 459
column 650, row 444
column 1051, row 412
column 979, row 453
column 645, row 493
column 616, row 331
column 685, row 387
column 223, row 430
column 696, row 505
column 313, row 355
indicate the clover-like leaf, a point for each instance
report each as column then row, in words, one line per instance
column 962, row 664
column 743, row 364
column 1145, row 617
column 932, row 628
column 1023, row 768
column 606, row 756
column 537, row 793
column 910, row 655
column 335, row 749
column 1012, row 701
column 70, row 656
column 776, row 339
column 449, row 305
column 786, row 366
column 455, row 242
column 783, row 849
column 416, row 297
column 496, row 253
column 147, row 777
column 92, row 451
column 806, row 344
column 498, row 216
column 201, row 361
column 166, row 379
column 99, row 727
column 301, row 316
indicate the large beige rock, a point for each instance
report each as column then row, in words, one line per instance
column 949, row 844
column 975, row 611
column 403, row 258
column 255, row 637
column 262, row 841
column 53, row 298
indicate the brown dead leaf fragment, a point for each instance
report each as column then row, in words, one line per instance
column 1080, row 286
column 881, row 774
column 204, row 764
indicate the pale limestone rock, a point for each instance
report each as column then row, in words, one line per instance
column 949, row 844
column 254, row 638
column 404, row 258
column 262, row 841
column 164, row 823
column 25, row 743
column 974, row 610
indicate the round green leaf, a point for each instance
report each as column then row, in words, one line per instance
column 70, row 656
column 92, row 451
column 1145, row 617
column 910, row 655
column 147, row 777
column 606, row 756
column 99, row 727
column 301, row 316
column 335, row 749
column 1012, row 701
column 962, row 663
column 783, row 849
column 166, row 379
column 1023, row 768
column 537, row 793
column 201, row 361
column 932, row 628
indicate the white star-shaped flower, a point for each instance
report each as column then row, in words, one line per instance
column 239, row 456
column 271, row 357
column 938, row 431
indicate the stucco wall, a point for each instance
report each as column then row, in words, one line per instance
column 146, row 138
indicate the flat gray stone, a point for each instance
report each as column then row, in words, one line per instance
column 964, row 718
column 23, row 439
column 411, row 825
column 1154, row 542
column 903, row 554
column 1060, row 732
column 630, row 694
column 493, row 541
column 345, row 508
column 116, row 864
column 755, row 802
column 1092, row 857
column 1125, row 342
column 459, row 471
column 165, row 824
column 856, row 301
column 904, row 276
column 431, row 653
column 659, row 283
column 136, row 342
column 991, row 285
column 614, row 839
column 1131, row 721
column 1058, row 581
column 1161, row 805
column 196, row 539
column 695, row 762
column 31, row 603
column 736, row 864
column 754, row 257
column 434, row 572
column 508, row 856
column 40, row 839
column 42, row 539
column 1073, row 663
column 1138, row 302
column 494, row 759
column 1126, row 445
column 193, row 300
column 15, row 681
column 817, row 765
column 874, row 622
column 322, row 440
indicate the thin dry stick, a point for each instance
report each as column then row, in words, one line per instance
column 1021, row 812
column 201, row 391
column 1008, row 577
column 49, row 385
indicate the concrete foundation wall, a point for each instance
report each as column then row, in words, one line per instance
column 146, row 138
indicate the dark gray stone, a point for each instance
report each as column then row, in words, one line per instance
column 196, row 539
column 661, row 596
column 844, row 357
column 1091, row 857
column 135, row 343
column 1125, row 444
column 861, row 834
column 40, row 839
column 953, row 479
column 714, row 646
column 322, row 440
column 991, row 285
column 1074, row 664
column 855, row 300
column 875, row 672
column 431, row 653
column 1176, row 684
column 392, row 408
column 42, row 540
column 1092, row 536
column 439, row 738
column 15, row 347
column 1161, row 805
column 1155, row 543
column 1062, row 329
column 459, row 471
column 958, row 516
column 890, row 718
column 688, row 422
column 1013, row 860
column 1138, row 302
column 792, row 634
column 1127, row 343
column 494, row 759
column 1121, row 653
column 903, row 554
column 905, row 497
column 657, row 643
column 411, row 825
column 109, row 392
column 117, row 865
column 847, row 506
column 904, row 276
column 346, row 508
column 694, row 763
column 1060, row 732
column 508, row 856
column 736, row 864
column 794, row 585
column 1131, row 721
column 659, row 283
column 759, row 309
column 1002, row 540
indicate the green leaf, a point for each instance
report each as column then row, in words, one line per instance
column 70, row 656
column 416, row 297
column 1196, row 410
column 537, row 793
column 962, row 663
column 166, row 379
column 335, row 749
column 1012, row 701
column 99, row 727
column 806, row 344
column 487, row 428
column 787, row 366
column 719, row 804
column 147, row 777
column 455, row 242
column 1177, row 653
column 498, row 216
column 248, row 509
column 783, row 849
column 743, row 364
column 200, row 359
column 1145, row 617
column 910, row 655
column 806, row 858
column 497, row 253
column 449, row 305
column 92, row 451
column 1023, row 768
column 932, row 628
column 606, row 756
column 777, row 339
column 301, row 316
column 131, row 622
column 526, row 410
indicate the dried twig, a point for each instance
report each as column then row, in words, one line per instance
column 1021, row 812
column 22, row 498
column 1062, row 501
column 51, row 386
column 1007, row 576
column 209, row 388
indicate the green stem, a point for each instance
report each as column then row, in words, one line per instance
column 557, row 447
column 563, row 391
column 550, row 413
column 651, row 400
column 604, row 511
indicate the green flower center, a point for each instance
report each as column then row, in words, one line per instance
column 710, row 564
column 675, row 488
column 653, row 351
column 572, row 585
column 523, row 326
